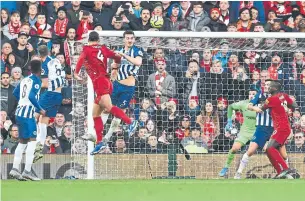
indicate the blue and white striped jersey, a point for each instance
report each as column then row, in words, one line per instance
column 56, row 75
column 128, row 69
column 27, row 94
column 264, row 118
column 44, row 67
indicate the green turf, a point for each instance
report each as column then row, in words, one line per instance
column 154, row 190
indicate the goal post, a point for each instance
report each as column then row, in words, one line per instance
column 254, row 52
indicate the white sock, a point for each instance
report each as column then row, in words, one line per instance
column 113, row 127
column 18, row 155
column 287, row 162
column 243, row 163
column 42, row 134
column 29, row 155
column 105, row 118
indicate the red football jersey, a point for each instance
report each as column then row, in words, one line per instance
column 94, row 58
column 278, row 105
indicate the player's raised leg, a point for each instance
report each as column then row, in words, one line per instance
column 236, row 146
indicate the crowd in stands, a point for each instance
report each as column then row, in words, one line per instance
column 184, row 86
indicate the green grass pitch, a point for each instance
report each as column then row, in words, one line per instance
column 153, row 190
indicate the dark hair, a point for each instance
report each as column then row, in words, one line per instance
column 145, row 9
column 35, row 66
column 198, row 3
column 94, row 37
column 193, row 60
column 3, row 73
column 276, row 84
column 128, row 32
column 8, row 16
column 15, row 12
column 43, row 50
column 243, row 9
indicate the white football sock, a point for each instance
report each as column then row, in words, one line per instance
column 113, row 127
column 29, row 155
column 18, row 155
column 287, row 162
column 105, row 117
column 243, row 163
column 42, row 134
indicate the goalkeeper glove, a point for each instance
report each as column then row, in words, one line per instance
column 229, row 125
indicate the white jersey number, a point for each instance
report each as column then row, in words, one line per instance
column 100, row 56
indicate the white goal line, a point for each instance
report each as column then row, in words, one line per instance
column 177, row 34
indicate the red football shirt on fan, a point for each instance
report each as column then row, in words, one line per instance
column 278, row 104
column 94, row 58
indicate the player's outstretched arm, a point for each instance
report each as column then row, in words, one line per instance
column 111, row 54
column 80, row 62
column 32, row 97
column 136, row 61
column 16, row 92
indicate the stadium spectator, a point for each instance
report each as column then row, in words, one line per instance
column 151, row 127
column 61, row 23
column 11, row 62
column 195, row 143
column 5, row 124
column 75, row 14
column 232, row 27
column 24, row 51
column 254, row 14
column 10, row 144
column 168, row 116
column 119, row 145
column 223, row 54
column 46, row 40
column 79, row 146
column 55, row 130
column 175, row 18
column 102, row 14
column 208, row 120
column 244, row 23
column 66, row 137
column 31, row 16
column 85, row 25
column 206, row 62
column 52, row 11
column 237, row 6
column 301, row 25
column 12, row 29
column 152, row 146
column 224, row 12
column 142, row 23
column 146, row 105
column 240, row 85
column 297, row 145
column 186, row 7
column 5, row 51
column 5, row 17
column 198, row 18
column 8, row 101
column 137, row 141
column 184, row 127
column 40, row 25
column 137, row 8
column 215, row 24
column 16, row 76
column 143, row 117
column 216, row 82
column 161, row 85
column 258, row 27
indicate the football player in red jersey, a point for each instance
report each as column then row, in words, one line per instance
column 279, row 104
column 94, row 57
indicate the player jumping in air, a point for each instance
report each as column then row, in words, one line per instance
column 27, row 93
column 263, row 132
column 52, row 79
column 124, row 86
column 246, row 131
column 94, row 58
column 278, row 104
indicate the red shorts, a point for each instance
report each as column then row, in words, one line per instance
column 102, row 86
column 281, row 135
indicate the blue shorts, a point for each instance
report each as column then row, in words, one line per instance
column 122, row 95
column 26, row 127
column 50, row 101
column 262, row 135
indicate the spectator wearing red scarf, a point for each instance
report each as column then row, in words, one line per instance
column 40, row 25
column 13, row 28
column 244, row 23
column 61, row 24
column 84, row 26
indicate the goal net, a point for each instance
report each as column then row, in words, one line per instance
column 181, row 131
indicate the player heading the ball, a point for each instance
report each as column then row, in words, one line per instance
column 94, row 57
